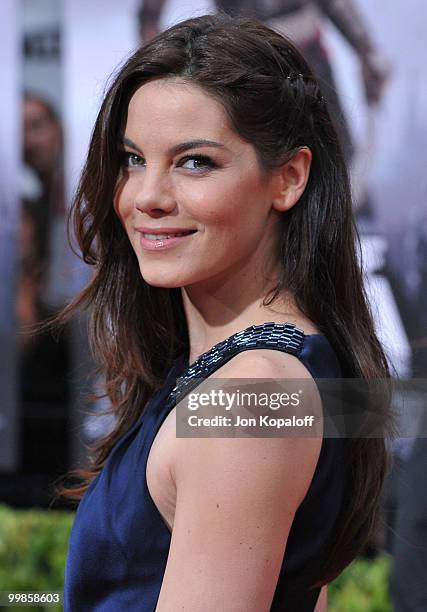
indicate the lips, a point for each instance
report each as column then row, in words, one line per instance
column 166, row 236
column 163, row 239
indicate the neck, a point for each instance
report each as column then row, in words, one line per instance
column 215, row 313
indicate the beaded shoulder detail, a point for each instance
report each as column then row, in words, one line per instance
column 284, row 337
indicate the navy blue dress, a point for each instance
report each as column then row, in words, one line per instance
column 119, row 542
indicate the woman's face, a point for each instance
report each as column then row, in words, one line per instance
column 186, row 171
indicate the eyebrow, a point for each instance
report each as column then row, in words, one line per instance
column 182, row 146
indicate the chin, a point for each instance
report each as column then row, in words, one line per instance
column 174, row 276
column 163, row 285
column 161, row 279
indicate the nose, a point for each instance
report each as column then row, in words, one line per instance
column 154, row 192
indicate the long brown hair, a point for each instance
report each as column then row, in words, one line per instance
column 273, row 101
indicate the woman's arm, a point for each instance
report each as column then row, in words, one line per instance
column 322, row 602
column 236, row 499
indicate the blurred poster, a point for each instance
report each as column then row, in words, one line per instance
column 34, row 367
column 9, row 218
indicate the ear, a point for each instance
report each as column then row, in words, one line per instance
column 292, row 179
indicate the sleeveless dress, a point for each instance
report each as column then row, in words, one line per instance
column 119, row 542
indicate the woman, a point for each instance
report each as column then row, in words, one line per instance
column 215, row 208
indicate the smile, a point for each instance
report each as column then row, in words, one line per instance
column 166, row 236
column 158, row 242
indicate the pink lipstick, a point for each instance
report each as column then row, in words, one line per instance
column 163, row 238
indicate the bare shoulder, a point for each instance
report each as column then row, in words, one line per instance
column 263, row 363
column 290, row 460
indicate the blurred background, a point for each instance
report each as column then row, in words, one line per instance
column 57, row 56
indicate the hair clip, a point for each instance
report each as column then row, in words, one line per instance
column 292, row 77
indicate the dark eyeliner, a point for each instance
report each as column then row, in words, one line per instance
column 207, row 161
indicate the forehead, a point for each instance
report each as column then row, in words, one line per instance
column 174, row 108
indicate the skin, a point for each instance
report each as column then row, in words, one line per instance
column 228, row 554
column 227, row 267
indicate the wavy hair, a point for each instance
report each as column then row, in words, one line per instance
column 273, row 101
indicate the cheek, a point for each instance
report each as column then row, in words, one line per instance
column 123, row 202
column 217, row 205
column 118, row 208
column 231, row 213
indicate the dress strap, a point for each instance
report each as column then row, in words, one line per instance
column 285, row 337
